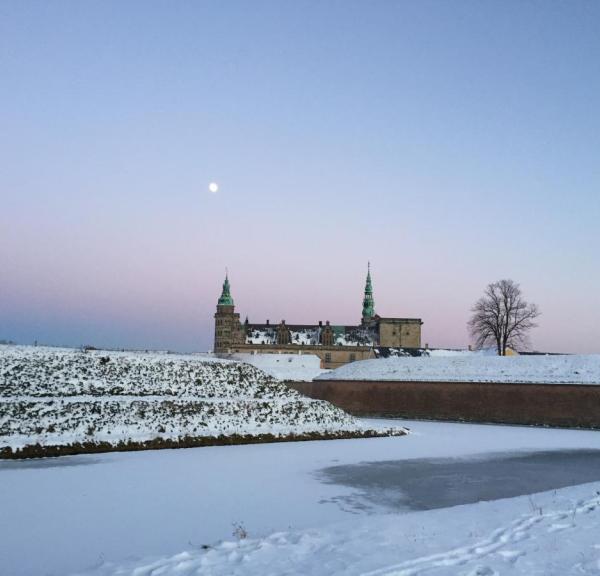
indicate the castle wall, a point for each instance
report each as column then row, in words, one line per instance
column 399, row 333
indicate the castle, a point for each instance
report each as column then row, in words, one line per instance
column 334, row 345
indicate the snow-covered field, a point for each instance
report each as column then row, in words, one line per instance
column 58, row 397
column 293, row 367
column 569, row 369
column 175, row 512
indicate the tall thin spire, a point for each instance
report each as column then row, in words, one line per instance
column 368, row 310
column 226, row 299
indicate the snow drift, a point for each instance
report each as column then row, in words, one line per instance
column 290, row 367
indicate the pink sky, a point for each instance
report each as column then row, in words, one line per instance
column 451, row 145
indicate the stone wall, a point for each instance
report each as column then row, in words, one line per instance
column 532, row 404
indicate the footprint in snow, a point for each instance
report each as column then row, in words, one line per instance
column 510, row 555
column 482, row 571
column 559, row 527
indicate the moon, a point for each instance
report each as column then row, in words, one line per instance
column 213, row 187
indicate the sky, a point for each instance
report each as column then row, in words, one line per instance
column 451, row 144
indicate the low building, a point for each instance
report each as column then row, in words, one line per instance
column 334, row 345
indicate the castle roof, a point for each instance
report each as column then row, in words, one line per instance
column 225, row 299
column 368, row 310
column 310, row 334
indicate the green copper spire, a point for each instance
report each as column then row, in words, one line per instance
column 368, row 303
column 225, row 299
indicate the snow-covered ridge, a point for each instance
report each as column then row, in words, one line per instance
column 40, row 371
column 57, row 396
column 568, row 369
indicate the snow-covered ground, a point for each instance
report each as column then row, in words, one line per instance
column 175, row 512
column 291, row 367
column 568, row 369
column 60, row 396
column 558, row 536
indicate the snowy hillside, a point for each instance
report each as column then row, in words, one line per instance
column 575, row 369
column 57, row 397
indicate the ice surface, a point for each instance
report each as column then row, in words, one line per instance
column 132, row 513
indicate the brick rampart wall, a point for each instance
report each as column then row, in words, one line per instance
column 533, row 404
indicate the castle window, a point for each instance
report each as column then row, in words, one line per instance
column 352, row 357
column 328, row 357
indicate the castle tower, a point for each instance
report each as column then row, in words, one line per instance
column 327, row 335
column 368, row 310
column 283, row 334
column 227, row 323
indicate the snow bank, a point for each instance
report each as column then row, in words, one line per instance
column 553, row 533
column 444, row 352
column 58, row 397
column 575, row 369
column 291, row 367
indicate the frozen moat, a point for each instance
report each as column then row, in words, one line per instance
column 83, row 511
column 429, row 483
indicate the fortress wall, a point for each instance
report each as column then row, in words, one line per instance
column 564, row 405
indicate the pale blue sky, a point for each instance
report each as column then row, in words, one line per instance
column 451, row 143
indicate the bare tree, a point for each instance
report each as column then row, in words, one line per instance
column 502, row 317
